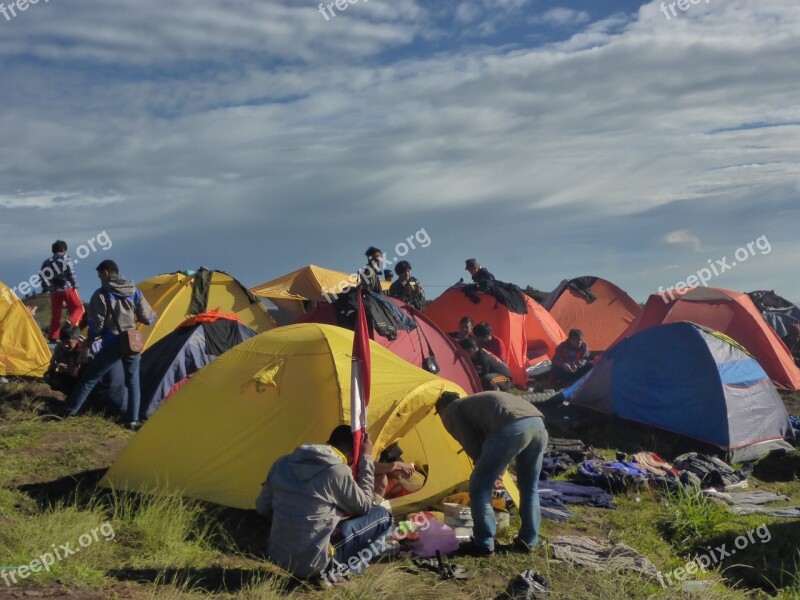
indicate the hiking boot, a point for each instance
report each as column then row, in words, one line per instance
column 515, row 547
column 134, row 425
column 473, row 548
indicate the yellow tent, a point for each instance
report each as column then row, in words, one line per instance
column 313, row 284
column 217, row 437
column 177, row 296
column 23, row 349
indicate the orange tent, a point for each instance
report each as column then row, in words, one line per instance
column 528, row 337
column 731, row 313
column 597, row 307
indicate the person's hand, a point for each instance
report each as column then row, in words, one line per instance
column 402, row 469
column 366, row 445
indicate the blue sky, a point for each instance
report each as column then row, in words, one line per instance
column 548, row 139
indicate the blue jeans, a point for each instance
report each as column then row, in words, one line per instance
column 525, row 440
column 94, row 372
column 358, row 533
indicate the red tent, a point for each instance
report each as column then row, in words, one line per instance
column 731, row 313
column 529, row 337
column 413, row 346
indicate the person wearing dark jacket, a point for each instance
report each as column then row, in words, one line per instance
column 58, row 279
column 494, row 373
column 571, row 359
column 306, row 497
column 480, row 275
column 407, row 288
column 495, row 428
column 117, row 306
column 370, row 273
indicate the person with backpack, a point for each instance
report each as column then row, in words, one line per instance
column 115, row 308
column 495, row 428
column 58, row 279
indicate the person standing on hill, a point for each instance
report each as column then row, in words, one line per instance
column 58, row 279
column 495, row 428
column 370, row 273
column 407, row 288
column 116, row 307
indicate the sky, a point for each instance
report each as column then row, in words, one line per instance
column 548, row 139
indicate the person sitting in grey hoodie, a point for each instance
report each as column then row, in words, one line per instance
column 117, row 306
column 306, row 497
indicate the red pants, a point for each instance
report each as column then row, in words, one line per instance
column 74, row 307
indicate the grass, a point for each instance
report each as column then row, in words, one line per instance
column 166, row 546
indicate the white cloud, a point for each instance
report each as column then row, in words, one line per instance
column 683, row 237
column 562, row 17
column 284, row 117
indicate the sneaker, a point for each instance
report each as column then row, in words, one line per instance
column 473, row 548
column 133, row 425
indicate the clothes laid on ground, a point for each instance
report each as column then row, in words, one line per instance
column 600, row 555
column 789, row 512
column 614, row 476
column 561, row 455
column 756, row 497
column 712, row 471
column 794, row 421
column 573, row 493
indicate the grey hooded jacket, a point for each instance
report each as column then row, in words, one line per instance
column 120, row 297
column 305, row 495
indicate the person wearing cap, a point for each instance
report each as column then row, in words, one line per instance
column 407, row 288
column 486, row 340
column 495, row 428
column 370, row 273
column 480, row 275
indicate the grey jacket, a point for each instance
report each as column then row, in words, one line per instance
column 120, row 296
column 305, row 495
column 472, row 419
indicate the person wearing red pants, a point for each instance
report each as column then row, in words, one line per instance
column 58, row 278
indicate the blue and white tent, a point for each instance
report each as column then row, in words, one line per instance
column 191, row 346
column 684, row 378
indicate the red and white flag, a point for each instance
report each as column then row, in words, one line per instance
column 359, row 382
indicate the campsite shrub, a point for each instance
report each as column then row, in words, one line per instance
column 690, row 519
